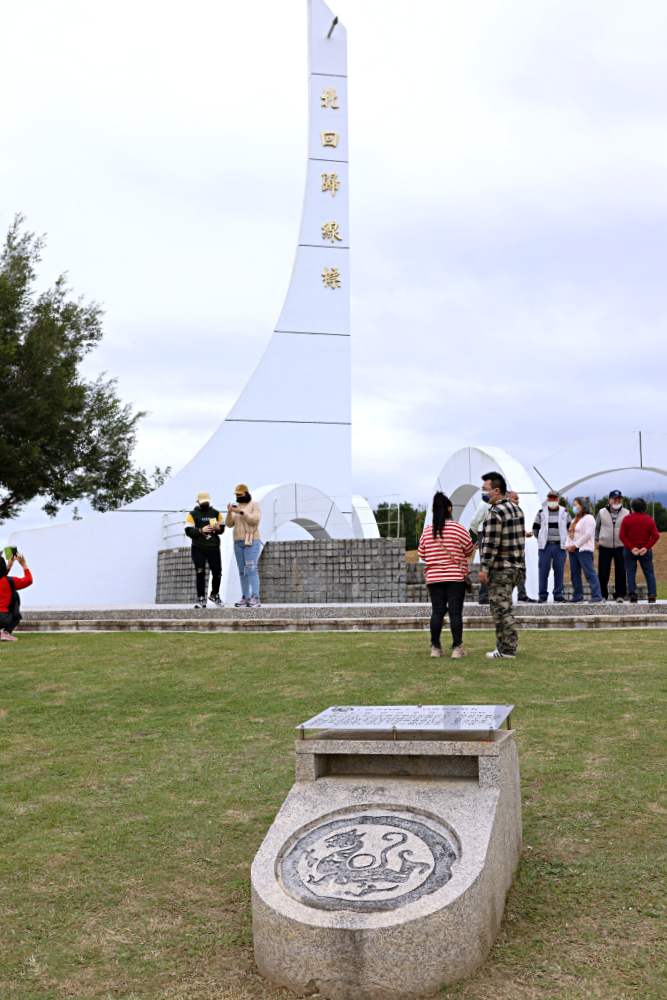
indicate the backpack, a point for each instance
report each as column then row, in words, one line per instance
column 15, row 603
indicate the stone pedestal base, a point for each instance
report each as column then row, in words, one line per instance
column 384, row 875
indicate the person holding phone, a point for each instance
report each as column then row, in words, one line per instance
column 203, row 526
column 10, row 602
column 244, row 516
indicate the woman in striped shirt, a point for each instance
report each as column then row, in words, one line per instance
column 445, row 546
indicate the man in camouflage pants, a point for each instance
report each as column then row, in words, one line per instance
column 502, row 562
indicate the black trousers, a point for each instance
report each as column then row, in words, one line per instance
column 605, row 558
column 211, row 556
column 447, row 597
column 8, row 621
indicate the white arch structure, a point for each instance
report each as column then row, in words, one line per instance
column 603, row 454
column 461, row 477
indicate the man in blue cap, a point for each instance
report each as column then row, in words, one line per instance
column 610, row 546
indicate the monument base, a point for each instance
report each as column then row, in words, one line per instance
column 385, row 873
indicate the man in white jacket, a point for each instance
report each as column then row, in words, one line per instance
column 550, row 529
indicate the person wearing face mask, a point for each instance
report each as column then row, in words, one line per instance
column 477, row 532
column 610, row 547
column 203, row 526
column 639, row 533
column 581, row 545
column 550, row 529
column 244, row 517
column 502, row 561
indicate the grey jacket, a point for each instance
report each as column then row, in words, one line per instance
column 607, row 533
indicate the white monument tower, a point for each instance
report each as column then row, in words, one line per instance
column 288, row 435
column 291, row 423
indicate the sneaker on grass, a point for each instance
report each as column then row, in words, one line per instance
column 497, row 655
column 7, row 637
column 436, row 651
column 458, row 652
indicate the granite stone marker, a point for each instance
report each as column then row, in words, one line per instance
column 385, row 872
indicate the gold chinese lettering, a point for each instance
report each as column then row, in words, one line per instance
column 329, row 99
column 329, row 139
column 331, row 183
column 331, row 231
column 331, row 277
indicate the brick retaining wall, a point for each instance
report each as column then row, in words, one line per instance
column 334, row 571
column 176, row 577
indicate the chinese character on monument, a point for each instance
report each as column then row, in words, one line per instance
column 329, row 99
column 331, row 183
column 329, row 139
column 331, row 231
column 331, row 277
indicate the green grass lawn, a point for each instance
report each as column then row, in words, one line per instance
column 141, row 771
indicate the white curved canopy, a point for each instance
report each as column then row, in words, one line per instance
column 461, row 477
column 602, row 454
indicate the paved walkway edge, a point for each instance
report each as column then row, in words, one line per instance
column 376, row 624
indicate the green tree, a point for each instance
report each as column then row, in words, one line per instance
column 402, row 520
column 63, row 438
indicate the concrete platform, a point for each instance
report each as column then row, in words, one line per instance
column 331, row 617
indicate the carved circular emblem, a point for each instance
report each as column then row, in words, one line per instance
column 367, row 862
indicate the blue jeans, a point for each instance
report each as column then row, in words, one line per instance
column 646, row 563
column 584, row 560
column 247, row 560
column 551, row 555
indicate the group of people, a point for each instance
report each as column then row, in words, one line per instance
column 204, row 525
column 625, row 540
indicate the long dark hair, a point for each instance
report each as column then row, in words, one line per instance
column 442, row 511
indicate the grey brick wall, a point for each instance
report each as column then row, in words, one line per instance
column 345, row 570
column 176, row 577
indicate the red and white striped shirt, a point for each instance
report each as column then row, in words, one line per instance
column 446, row 558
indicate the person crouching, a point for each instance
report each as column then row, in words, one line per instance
column 10, row 615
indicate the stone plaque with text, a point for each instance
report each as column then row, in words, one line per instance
column 406, row 718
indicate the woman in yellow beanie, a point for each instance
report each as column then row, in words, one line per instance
column 244, row 517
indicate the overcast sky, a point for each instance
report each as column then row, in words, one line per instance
column 508, row 210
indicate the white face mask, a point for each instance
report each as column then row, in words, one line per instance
column 553, row 504
column 615, row 506
column 576, row 509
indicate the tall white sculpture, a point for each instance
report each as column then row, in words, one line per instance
column 291, row 423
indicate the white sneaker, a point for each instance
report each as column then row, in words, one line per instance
column 254, row 602
column 458, row 652
column 243, row 603
column 7, row 637
column 497, row 655
column 217, row 600
column 436, row 651
column 200, row 603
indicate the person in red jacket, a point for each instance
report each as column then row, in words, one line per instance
column 638, row 535
column 8, row 616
